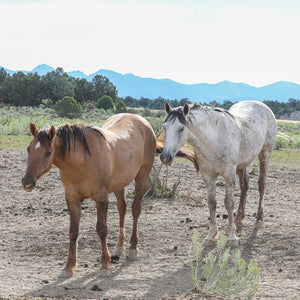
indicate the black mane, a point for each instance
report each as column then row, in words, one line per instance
column 177, row 112
column 68, row 132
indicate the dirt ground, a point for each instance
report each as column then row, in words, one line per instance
column 34, row 238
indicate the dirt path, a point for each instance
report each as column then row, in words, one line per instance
column 34, row 238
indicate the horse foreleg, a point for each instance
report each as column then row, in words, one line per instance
column 102, row 208
column 75, row 211
column 264, row 160
column 244, row 184
column 229, row 205
column 121, row 203
column 212, row 205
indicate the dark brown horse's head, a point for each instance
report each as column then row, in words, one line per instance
column 40, row 155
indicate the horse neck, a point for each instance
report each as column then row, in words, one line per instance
column 60, row 160
column 204, row 134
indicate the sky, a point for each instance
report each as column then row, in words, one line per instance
column 189, row 41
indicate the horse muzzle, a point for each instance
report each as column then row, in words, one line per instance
column 28, row 184
column 166, row 159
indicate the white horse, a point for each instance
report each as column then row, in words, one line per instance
column 225, row 143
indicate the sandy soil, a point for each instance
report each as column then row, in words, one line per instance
column 34, row 238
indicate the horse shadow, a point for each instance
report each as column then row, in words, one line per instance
column 91, row 286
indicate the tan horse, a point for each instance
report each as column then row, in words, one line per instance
column 93, row 162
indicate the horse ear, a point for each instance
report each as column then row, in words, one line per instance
column 186, row 109
column 52, row 132
column 168, row 108
column 33, row 129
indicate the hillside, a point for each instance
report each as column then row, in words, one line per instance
column 136, row 87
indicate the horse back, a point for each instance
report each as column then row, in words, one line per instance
column 131, row 143
column 258, row 128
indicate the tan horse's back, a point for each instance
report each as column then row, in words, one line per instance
column 132, row 144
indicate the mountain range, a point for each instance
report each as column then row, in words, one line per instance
column 131, row 85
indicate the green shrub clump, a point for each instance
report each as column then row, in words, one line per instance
column 105, row 102
column 121, row 107
column 68, row 107
column 218, row 275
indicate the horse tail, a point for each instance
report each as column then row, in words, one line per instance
column 183, row 152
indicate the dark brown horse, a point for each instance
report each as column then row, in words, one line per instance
column 93, row 162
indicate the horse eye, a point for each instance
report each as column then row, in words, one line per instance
column 48, row 153
column 181, row 129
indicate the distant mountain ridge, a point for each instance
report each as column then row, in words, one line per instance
column 131, row 85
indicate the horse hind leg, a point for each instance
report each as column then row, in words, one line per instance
column 264, row 161
column 244, row 185
column 141, row 183
column 121, row 203
column 101, row 227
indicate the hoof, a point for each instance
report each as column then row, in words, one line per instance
column 119, row 251
column 105, row 273
column 233, row 243
column 259, row 224
column 132, row 255
column 63, row 274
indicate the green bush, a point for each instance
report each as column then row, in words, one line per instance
column 68, row 107
column 213, row 273
column 105, row 102
column 121, row 107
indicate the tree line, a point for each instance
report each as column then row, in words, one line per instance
column 31, row 89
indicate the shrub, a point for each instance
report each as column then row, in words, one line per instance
column 105, row 102
column 121, row 107
column 68, row 107
column 213, row 273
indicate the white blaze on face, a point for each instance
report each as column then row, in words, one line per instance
column 38, row 145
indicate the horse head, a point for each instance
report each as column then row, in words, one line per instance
column 176, row 132
column 40, row 155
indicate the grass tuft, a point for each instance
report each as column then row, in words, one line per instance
column 219, row 274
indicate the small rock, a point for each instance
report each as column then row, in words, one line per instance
column 96, row 288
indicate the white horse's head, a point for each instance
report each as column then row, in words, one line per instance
column 176, row 132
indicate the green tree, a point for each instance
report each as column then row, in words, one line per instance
column 130, row 102
column 102, row 86
column 68, row 107
column 121, row 107
column 58, row 84
column 20, row 89
column 145, row 102
column 84, row 90
column 105, row 102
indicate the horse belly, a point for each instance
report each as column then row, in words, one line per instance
column 125, row 170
